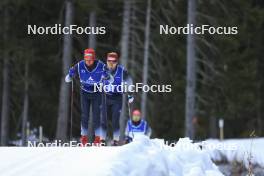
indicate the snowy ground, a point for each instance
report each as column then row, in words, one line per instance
column 239, row 150
column 139, row 158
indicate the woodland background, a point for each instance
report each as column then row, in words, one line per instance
column 225, row 73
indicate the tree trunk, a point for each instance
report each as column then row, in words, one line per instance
column 5, row 103
column 92, row 23
column 146, row 58
column 213, row 126
column 25, row 106
column 260, row 93
column 133, row 40
column 63, row 111
column 191, row 74
column 92, row 44
column 124, row 59
column 6, row 85
column 125, row 33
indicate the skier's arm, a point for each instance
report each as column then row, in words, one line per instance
column 127, row 80
column 148, row 131
column 107, row 76
column 72, row 73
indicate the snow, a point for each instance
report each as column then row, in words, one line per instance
column 237, row 150
column 142, row 157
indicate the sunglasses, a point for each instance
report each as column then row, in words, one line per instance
column 112, row 61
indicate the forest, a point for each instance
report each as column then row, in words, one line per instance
column 212, row 76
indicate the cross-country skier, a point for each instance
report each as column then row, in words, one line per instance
column 136, row 126
column 90, row 72
column 114, row 94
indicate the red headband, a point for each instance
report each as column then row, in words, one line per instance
column 88, row 53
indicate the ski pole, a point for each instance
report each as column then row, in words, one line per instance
column 129, row 113
column 72, row 94
column 129, row 109
column 105, row 110
column 104, row 105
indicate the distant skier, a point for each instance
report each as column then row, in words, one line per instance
column 90, row 72
column 136, row 126
column 114, row 94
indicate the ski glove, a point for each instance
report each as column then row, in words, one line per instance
column 71, row 72
column 107, row 77
column 128, row 139
column 130, row 98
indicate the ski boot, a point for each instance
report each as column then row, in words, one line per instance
column 98, row 141
column 84, row 140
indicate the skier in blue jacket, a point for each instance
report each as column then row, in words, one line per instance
column 136, row 126
column 113, row 96
column 90, row 72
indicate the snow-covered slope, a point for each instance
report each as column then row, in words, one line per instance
column 237, row 150
column 139, row 158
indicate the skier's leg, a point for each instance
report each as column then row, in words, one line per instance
column 85, row 108
column 109, row 110
column 96, row 106
column 104, row 116
column 116, row 110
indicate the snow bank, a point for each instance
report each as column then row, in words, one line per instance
column 139, row 158
column 237, row 150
